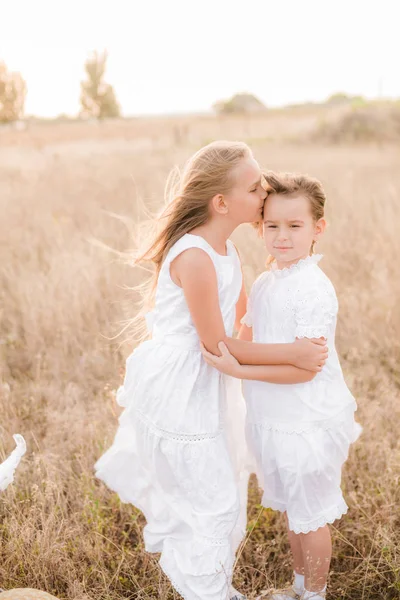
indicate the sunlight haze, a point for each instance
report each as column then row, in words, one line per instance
column 180, row 56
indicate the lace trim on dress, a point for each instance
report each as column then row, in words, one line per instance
column 216, row 542
column 176, row 437
column 315, row 321
column 329, row 517
column 304, row 331
column 296, row 267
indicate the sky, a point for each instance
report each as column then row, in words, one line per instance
column 171, row 56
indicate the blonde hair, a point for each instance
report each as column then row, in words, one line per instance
column 290, row 184
column 208, row 173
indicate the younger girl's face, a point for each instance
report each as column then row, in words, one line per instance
column 289, row 228
column 245, row 201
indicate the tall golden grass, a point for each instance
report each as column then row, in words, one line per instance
column 62, row 296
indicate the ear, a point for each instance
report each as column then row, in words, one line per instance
column 320, row 227
column 219, row 204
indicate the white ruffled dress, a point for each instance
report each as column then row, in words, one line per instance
column 299, row 434
column 180, row 453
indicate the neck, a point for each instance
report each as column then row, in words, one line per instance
column 216, row 233
column 286, row 264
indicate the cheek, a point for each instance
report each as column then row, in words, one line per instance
column 240, row 204
column 253, row 200
column 304, row 236
column 269, row 235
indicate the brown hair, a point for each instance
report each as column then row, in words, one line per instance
column 206, row 174
column 290, row 184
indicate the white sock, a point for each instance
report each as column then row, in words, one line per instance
column 313, row 595
column 298, row 584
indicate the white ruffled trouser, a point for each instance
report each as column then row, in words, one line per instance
column 300, row 471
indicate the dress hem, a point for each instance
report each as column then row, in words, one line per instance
column 329, row 517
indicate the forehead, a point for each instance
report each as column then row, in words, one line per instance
column 280, row 206
column 247, row 172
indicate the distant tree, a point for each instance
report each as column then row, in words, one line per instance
column 342, row 98
column 239, row 104
column 97, row 97
column 12, row 95
column 338, row 98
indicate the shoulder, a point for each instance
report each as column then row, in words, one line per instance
column 317, row 280
column 315, row 288
column 193, row 270
column 259, row 282
column 190, row 249
column 194, row 258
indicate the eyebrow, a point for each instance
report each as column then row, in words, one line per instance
column 291, row 221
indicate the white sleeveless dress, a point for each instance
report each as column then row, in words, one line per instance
column 180, row 453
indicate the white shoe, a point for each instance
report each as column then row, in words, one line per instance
column 286, row 594
column 317, row 595
column 235, row 595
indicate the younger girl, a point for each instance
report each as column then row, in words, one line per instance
column 299, row 434
column 173, row 455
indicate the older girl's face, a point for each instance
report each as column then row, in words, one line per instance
column 245, row 201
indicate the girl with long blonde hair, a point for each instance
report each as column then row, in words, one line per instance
column 179, row 454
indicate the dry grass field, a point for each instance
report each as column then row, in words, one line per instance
column 69, row 190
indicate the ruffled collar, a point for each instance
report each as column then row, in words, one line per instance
column 296, row 267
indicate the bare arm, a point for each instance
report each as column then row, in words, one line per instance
column 269, row 373
column 226, row 363
column 299, row 353
column 274, row 373
column 240, row 307
column 246, row 333
column 194, row 271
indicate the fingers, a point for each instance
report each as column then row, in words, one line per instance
column 223, row 349
column 319, row 341
column 208, row 357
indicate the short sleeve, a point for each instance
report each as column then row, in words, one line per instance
column 315, row 311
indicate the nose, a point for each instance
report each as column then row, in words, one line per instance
column 282, row 234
